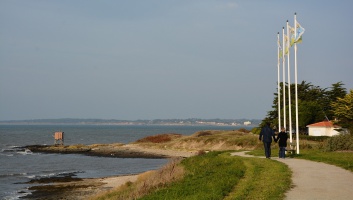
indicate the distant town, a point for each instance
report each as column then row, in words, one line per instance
column 186, row 122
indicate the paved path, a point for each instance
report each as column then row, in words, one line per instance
column 315, row 180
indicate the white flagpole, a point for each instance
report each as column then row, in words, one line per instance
column 289, row 92
column 284, row 80
column 278, row 89
column 296, row 83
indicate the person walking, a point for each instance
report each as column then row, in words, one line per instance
column 282, row 138
column 266, row 136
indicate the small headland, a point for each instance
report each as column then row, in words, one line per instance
column 160, row 146
column 102, row 150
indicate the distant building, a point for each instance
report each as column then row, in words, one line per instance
column 59, row 137
column 324, row 128
column 247, row 123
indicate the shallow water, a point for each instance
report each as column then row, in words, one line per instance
column 19, row 165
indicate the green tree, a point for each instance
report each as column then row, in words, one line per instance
column 336, row 91
column 314, row 104
column 343, row 110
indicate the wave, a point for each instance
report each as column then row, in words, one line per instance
column 18, row 194
column 42, row 174
column 12, row 150
column 52, row 174
column 12, row 174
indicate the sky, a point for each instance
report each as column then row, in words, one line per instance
column 162, row 59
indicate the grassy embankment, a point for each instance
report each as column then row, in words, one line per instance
column 213, row 175
column 217, row 175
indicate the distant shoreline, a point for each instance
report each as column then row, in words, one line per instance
column 108, row 124
column 161, row 122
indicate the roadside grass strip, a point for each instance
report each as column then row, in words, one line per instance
column 338, row 158
column 214, row 175
column 217, row 175
column 264, row 179
column 208, row 176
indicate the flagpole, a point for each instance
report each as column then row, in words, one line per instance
column 284, row 81
column 296, row 83
column 289, row 92
column 278, row 85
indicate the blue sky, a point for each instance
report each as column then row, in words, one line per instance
column 162, row 59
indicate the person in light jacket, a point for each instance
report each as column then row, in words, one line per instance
column 266, row 136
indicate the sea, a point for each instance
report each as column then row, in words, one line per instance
column 19, row 165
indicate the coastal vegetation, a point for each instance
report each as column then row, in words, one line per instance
column 209, row 171
column 342, row 159
column 203, row 141
column 215, row 175
column 315, row 104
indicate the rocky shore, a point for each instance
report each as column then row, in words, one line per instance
column 116, row 150
column 112, row 150
column 70, row 187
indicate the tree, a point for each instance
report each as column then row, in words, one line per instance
column 314, row 104
column 335, row 92
column 343, row 110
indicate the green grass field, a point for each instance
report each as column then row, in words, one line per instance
column 218, row 175
column 340, row 159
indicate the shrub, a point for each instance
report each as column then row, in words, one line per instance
column 203, row 133
column 314, row 138
column 256, row 130
column 341, row 142
column 159, row 138
column 243, row 130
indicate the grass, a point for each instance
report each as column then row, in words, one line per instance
column 209, row 176
column 215, row 175
column 340, row 159
column 264, row 179
column 146, row 183
column 218, row 175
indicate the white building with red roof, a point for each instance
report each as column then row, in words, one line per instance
column 325, row 128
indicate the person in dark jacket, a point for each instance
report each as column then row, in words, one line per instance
column 266, row 136
column 282, row 138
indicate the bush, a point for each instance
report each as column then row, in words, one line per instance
column 203, row 133
column 243, row 130
column 314, row 138
column 341, row 142
column 256, row 130
column 159, row 138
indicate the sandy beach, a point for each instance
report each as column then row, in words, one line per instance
column 78, row 188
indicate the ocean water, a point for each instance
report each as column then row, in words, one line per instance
column 19, row 165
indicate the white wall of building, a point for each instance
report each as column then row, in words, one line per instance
column 322, row 131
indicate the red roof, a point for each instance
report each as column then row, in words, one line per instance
column 323, row 124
